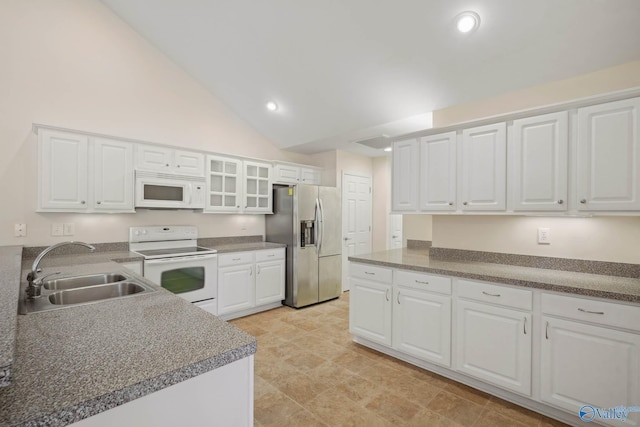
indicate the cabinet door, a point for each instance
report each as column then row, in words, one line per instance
column 438, row 172
column 608, row 158
column 370, row 310
column 494, row 345
column 63, row 170
column 153, row 158
column 483, row 168
column 310, row 176
column 538, row 163
column 236, row 288
column 405, row 176
column 589, row 365
column 113, row 175
column 422, row 325
column 269, row 282
column 188, row 163
column 257, row 187
column 224, row 183
column 286, row 174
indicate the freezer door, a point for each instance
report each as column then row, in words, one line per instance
column 305, row 287
column 330, row 238
column 330, row 277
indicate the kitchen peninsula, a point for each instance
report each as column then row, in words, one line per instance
column 150, row 359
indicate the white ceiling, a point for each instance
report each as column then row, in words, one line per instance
column 342, row 70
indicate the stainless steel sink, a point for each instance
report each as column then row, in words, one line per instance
column 86, row 289
column 82, row 281
column 95, row 293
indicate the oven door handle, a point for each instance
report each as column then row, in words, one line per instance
column 179, row 259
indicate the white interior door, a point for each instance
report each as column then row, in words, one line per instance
column 356, row 220
column 395, row 232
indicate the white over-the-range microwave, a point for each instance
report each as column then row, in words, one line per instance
column 168, row 191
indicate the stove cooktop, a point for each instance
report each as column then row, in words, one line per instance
column 175, row 252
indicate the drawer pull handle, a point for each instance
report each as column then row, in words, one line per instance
column 546, row 331
column 270, row 256
column 423, row 282
column 371, row 274
column 491, row 295
column 386, row 294
column 235, row 259
column 525, row 326
column 398, row 298
column 590, row 312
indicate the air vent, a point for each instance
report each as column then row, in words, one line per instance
column 377, row 142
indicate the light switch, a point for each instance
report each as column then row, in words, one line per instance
column 544, row 237
column 57, row 229
column 69, row 229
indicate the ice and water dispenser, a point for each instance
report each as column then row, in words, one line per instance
column 307, row 233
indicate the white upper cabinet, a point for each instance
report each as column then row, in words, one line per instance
column 438, row 172
column 165, row 159
column 63, row 170
column 287, row 173
column 113, row 175
column 224, row 184
column 608, row 160
column 405, row 175
column 538, row 160
column 79, row 173
column 257, row 187
column 483, row 168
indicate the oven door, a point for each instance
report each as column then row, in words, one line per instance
column 194, row 278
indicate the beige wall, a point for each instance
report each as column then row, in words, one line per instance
column 352, row 163
column 381, row 202
column 598, row 238
column 416, row 227
column 74, row 64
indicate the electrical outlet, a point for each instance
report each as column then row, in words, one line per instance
column 20, row 230
column 57, row 229
column 69, row 229
column 544, row 236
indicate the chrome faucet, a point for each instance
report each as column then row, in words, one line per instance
column 34, row 285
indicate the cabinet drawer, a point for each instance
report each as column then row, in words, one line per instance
column 601, row 312
column 495, row 294
column 270, row 254
column 427, row 282
column 369, row 272
column 235, row 258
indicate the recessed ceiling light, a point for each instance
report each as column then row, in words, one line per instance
column 467, row 22
column 387, row 149
column 272, row 106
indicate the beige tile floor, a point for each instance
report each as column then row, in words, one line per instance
column 309, row 372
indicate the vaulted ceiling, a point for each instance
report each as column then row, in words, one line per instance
column 342, row 70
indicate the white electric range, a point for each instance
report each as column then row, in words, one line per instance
column 173, row 260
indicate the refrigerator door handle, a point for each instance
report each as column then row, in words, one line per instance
column 321, row 226
column 317, row 226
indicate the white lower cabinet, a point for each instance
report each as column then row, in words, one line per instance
column 494, row 344
column 249, row 282
column 586, row 364
column 585, row 354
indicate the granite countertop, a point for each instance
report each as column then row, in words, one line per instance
column 595, row 285
column 78, row 361
column 10, row 260
column 241, row 247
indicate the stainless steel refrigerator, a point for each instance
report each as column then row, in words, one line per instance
column 307, row 218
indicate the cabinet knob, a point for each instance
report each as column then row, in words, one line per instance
column 450, row 203
column 167, row 165
column 82, row 202
column 583, row 201
column 238, row 206
column 465, row 203
column 560, row 201
column 178, row 165
column 99, row 202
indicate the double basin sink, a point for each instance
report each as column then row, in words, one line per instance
column 76, row 290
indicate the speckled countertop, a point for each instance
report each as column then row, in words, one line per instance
column 10, row 260
column 596, row 285
column 241, row 247
column 78, row 361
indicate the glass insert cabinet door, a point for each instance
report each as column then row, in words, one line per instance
column 223, row 174
column 258, row 185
